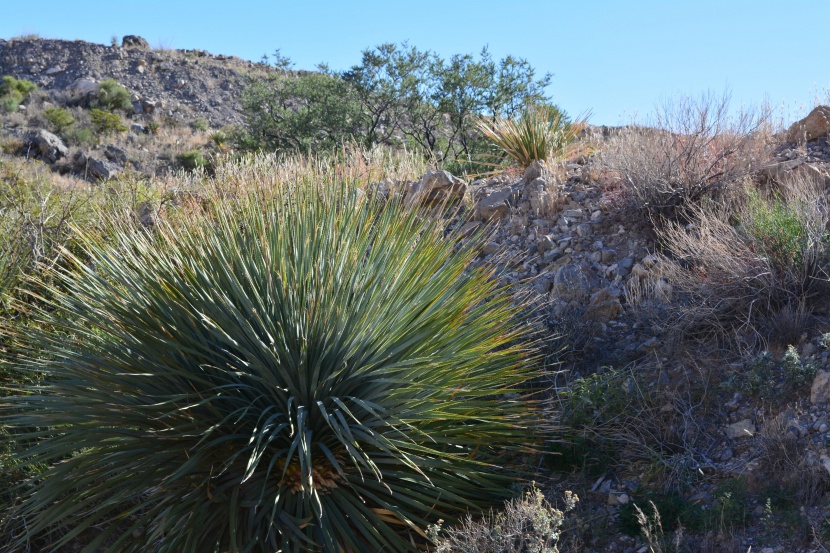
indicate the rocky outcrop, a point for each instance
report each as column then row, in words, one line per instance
column 437, row 187
column 47, row 147
column 190, row 84
column 815, row 125
column 135, row 42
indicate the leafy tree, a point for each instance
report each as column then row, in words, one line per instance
column 303, row 112
column 396, row 93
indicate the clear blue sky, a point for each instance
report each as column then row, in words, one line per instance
column 616, row 58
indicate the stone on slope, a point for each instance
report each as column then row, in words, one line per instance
column 437, row 187
column 815, row 125
column 47, row 146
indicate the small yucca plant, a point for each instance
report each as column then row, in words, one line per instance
column 541, row 132
column 316, row 372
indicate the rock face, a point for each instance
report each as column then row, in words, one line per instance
column 135, row 42
column 437, row 187
column 46, row 146
column 815, row 125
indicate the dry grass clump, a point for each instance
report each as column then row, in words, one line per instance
column 745, row 269
column 691, row 149
column 527, row 524
column 360, row 166
column 789, row 464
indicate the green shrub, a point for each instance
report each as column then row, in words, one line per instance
column 154, row 127
column 777, row 230
column 541, row 132
column 320, row 371
column 105, row 123
column 13, row 92
column 59, row 118
column 80, row 136
column 201, row 125
column 192, row 160
column 112, row 96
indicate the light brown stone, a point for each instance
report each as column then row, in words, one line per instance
column 815, row 125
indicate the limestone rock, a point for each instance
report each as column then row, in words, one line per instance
column 135, row 42
column 102, row 169
column 493, row 207
column 741, row 429
column 820, row 390
column 437, row 187
column 83, row 88
column 815, row 125
column 47, row 146
column 570, row 283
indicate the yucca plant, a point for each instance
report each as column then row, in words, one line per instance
column 541, row 132
column 315, row 372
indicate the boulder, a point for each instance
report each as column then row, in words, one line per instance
column 135, row 42
column 741, row 429
column 570, row 283
column 494, row 207
column 115, row 154
column 820, row 390
column 102, row 169
column 45, row 145
column 815, row 125
column 83, row 88
column 436, row 187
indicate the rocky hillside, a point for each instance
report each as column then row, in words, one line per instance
column 182, row 84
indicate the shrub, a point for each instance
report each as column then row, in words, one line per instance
column 154, row 127
column 542, row 132
column 80, row 136
column 13, row 92
column 201, row 125
column 192, row 160
column 105, row 123
column 749, row 268
column 113, row 96
column 59, row 118
column 528, row 524
column 692, row 149
column 317, row 371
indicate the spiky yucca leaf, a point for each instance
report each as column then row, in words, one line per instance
column 539, row 133
column 318, row 372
